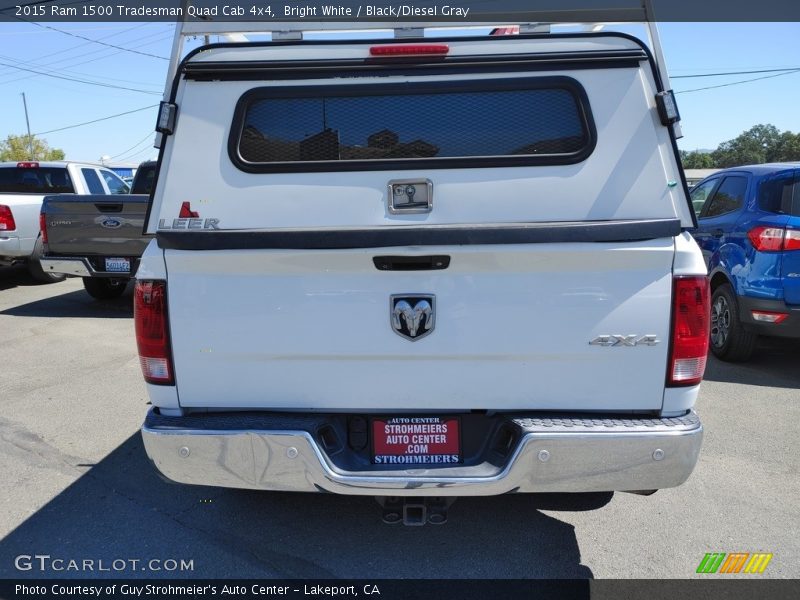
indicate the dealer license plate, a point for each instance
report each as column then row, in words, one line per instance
column 118, row 265
column 416, row 441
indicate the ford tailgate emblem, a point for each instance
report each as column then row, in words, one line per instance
column 111, row 223
column 412, row 316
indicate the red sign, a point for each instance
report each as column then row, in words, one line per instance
column 416, row 441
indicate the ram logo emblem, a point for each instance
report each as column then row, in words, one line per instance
column 412, row 316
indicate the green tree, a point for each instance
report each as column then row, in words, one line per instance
column 786, row 149
column 697, row 160
column 754, row 146
column 18, row 147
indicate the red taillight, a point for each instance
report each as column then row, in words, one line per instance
column 28, row 165
column 7, row 222
column 43, row 227
column 791, row 241
column 691, row 308
column 152, row 335
column 774, row 239
column 410, row 50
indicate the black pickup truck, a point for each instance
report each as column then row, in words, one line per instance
column 97, row 237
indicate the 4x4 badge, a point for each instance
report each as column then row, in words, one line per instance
column 412, row 316
column 625, row 340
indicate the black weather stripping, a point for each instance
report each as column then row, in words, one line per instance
column 493, row 63
column 429, row 235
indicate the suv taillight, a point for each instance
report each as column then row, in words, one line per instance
column 791, row 241
column 774, row 239
column 691, row 308
column 6, row 219
column 152, row 334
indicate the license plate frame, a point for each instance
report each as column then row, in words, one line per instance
column 402, row 447
column 113, row 265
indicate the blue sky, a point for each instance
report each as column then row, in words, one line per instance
column 709, row 116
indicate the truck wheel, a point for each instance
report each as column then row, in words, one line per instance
column 730, row 341
column 35, row 267
column 104, row 289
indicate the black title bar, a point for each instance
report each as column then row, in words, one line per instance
column 399, row 589
column 456, row 11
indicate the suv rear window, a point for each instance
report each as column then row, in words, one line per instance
column 780, row 194
column 35, row 180
column 505, row 122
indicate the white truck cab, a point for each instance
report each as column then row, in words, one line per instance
column 438, row 266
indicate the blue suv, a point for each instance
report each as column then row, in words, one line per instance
column 749, row 232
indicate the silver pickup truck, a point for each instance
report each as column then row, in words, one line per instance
column 23, row 186
column 97, row 237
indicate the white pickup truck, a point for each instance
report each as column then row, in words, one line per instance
column 23, row 186
column 424, row 267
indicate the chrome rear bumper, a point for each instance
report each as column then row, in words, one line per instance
column 78, row 266
column 552, row 455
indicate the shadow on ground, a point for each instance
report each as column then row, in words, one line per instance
column 773, row 364
column 18, row 276
column 76, row 304
column 121, row 509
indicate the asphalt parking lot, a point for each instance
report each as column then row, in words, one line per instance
column 77, row 485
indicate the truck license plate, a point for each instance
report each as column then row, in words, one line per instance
column 118, row 265
column 416, row 441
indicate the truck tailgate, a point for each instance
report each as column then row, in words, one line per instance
column 95, row 225
column 311, row 330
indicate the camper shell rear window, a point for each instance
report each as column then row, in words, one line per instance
column 445, row 124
